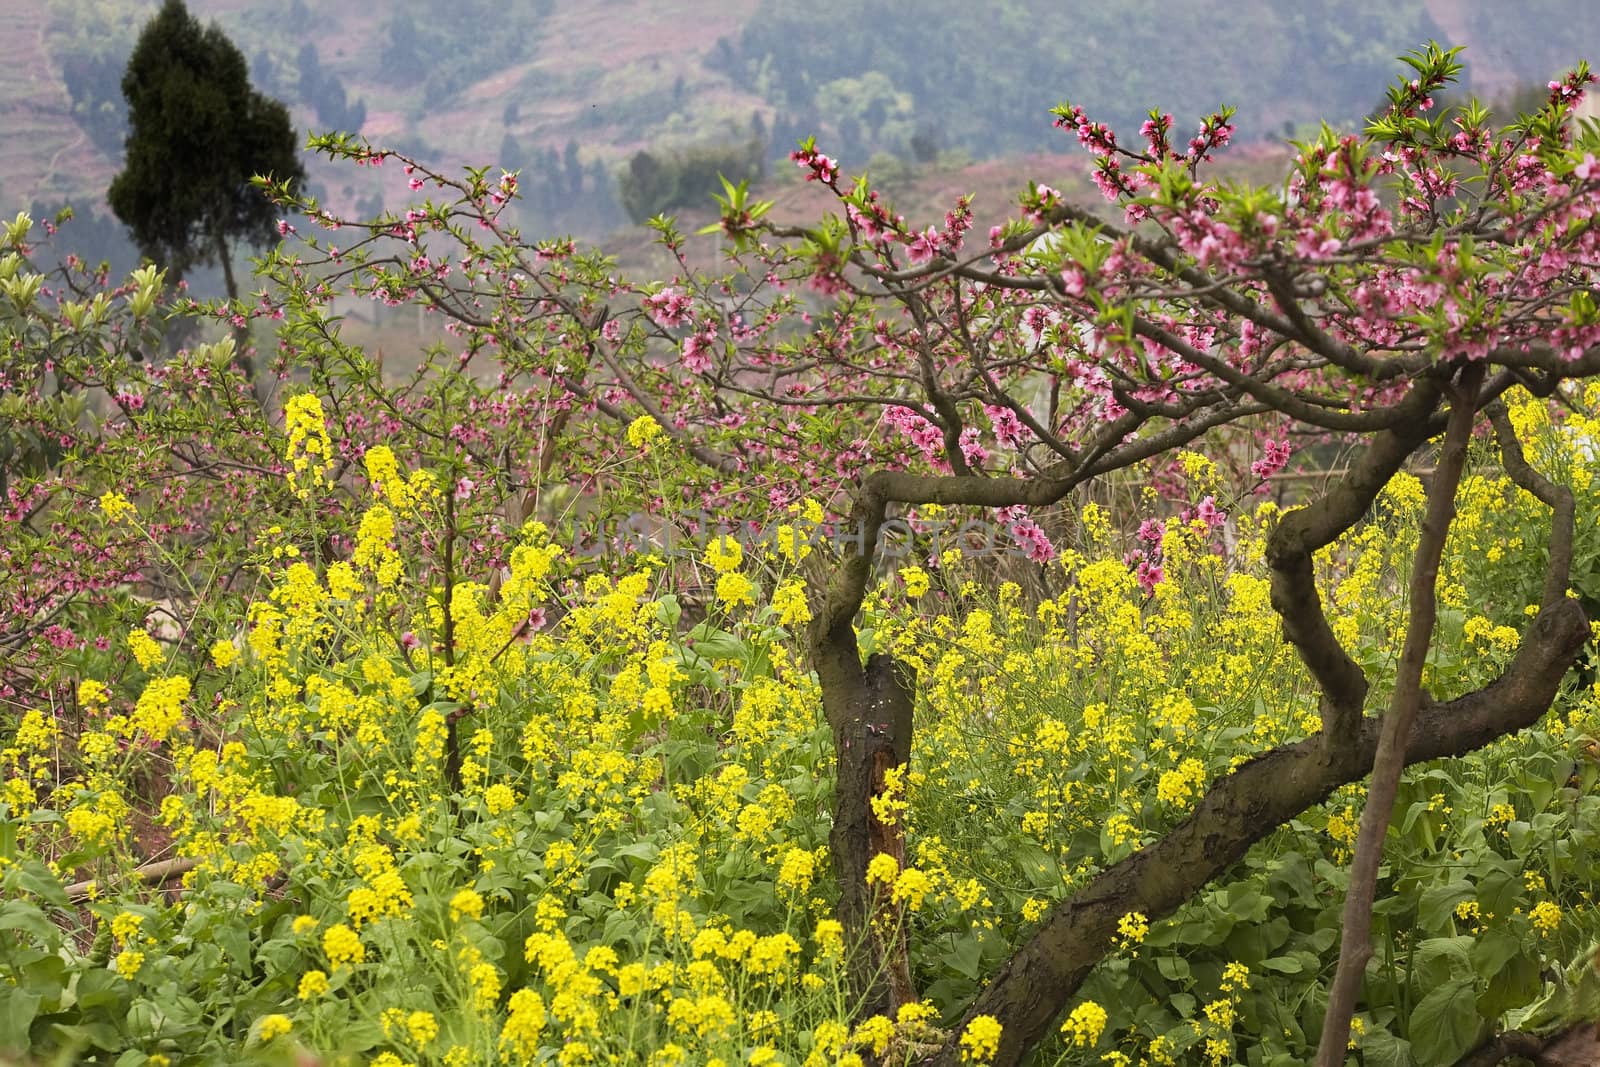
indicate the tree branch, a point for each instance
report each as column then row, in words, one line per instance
column 1355, row 941
column 1302, row 532
column 1558, row 572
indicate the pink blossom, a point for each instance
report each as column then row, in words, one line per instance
column 1029, row 536
column 696, row 350
column 1008, row 429
column 924, row 246
column 822, row 168
column 1276, row 458
column 668, row 308
column 971, row 449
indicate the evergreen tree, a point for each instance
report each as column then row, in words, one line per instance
column 197, row 133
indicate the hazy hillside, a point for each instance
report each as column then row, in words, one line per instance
column 572, row 91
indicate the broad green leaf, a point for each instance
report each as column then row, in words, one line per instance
column 1445, row 1023
column 18, row 1007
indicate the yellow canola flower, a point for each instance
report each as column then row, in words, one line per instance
column 789, row 601
column 422, row 1027
column 642, row 431
column 272, row 1026
column 981, row 1040
column 373, row 549
column 883, row 868
column 911, row 888
column 829, row 937
column 875, row 1033
column 723, row 554
column 525, row 1019
column 466, row 902
column 160, row 707
column 797, row 869
column 313, row 984
column 499, row 798
column 917, row 581
column 125, row 926
column 1085, row 1025
column 145, row 649
column 342, row 946
column 734, row 589
column 116, row 506
column 309, row 451
column 1133, row 927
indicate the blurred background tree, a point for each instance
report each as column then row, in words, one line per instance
column 197, row 133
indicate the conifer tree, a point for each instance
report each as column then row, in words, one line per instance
column 197, row 134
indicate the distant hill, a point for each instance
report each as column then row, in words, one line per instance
column 572, row 91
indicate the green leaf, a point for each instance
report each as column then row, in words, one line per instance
column 1443, row 959
column 966, row 956
column 18, row 1007
column 1436, row 913
column 35, row 878
column 1283, row 965
column 234, row 940
column 21, row 915
column 1380, row 1048
column 1445, row 1022
column 1173, row 968
column 1515, row 985
column 1493, row 950
column 101, row 987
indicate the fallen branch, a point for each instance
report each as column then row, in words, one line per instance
column 151, row 874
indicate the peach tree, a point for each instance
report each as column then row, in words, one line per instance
column 1392, row 295
column 1389, row 294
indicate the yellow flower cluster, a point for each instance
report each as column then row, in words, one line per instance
column 160, row 707
column 980, row 1040
column 116, row 507
column 1085, row 1024
column 146, row 652
column 404, row 493
column 309, row 452
column 643, row 431
column 723, row 554
column 342, row 946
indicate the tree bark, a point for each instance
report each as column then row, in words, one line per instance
column 1301, row 533
column 869, row 712
column 1355, row 939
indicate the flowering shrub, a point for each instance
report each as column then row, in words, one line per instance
column 626, row 860
column 356, row 728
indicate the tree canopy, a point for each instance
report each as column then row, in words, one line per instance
column 197, row 134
